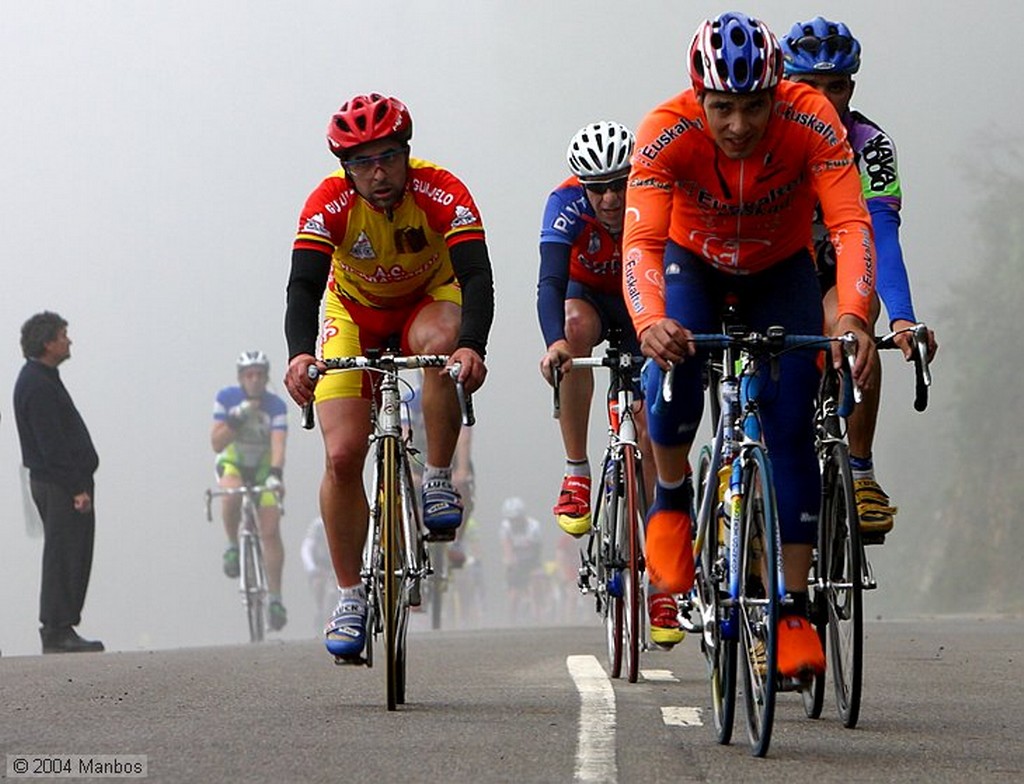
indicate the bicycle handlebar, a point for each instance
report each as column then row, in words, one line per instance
column 395, row 362
column 244, row 490
column 610, row 359
column 919, row 354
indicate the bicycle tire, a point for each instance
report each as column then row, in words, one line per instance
column 758, row 616
column 609, row 564
column 843, row 587
column 632, row 589
column 719, row 651
column 252, row 590
column 408, row 542
column 390, row 522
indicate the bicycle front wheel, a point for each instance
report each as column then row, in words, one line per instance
column 709, row 583
column 631, row 535
column 253, row 585
column 843, row 587
column 610, row 563
column 391, row 522
column 759, row 598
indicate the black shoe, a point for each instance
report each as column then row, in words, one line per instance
column 67, row 641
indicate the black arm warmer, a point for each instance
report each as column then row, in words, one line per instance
column 473, row 270
column 306, row 284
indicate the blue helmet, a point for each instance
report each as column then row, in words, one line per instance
column 821, row 47
column 734, row 53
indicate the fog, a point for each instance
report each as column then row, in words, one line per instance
column 153, row 161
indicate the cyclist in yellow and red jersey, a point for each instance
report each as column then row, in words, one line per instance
column 725, row 180
column 399, row 246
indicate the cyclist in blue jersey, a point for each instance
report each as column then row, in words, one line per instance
column 579, row 299
column 824, row 55
column 250, row 427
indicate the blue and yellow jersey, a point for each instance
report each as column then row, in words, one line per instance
column 251, row 446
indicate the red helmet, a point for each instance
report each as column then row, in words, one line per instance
column 368, row 118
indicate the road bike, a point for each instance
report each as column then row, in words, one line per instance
column 396, row 557
column 252, row 571
column 612, row 565
column 840, row 570
column 739, row 587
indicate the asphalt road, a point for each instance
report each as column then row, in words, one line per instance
column 942, row 703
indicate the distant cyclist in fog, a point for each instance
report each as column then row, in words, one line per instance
column 250, row 426
column 521, row 546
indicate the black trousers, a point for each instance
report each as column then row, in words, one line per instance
column 67, row 555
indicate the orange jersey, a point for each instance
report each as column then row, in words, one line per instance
column 743, row 215
column 383, row 260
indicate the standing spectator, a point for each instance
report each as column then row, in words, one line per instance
column 59, row 454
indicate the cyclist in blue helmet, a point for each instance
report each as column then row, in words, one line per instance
column 825, row 55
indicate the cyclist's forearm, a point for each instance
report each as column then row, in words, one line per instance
column 473, row 271
column 277, row 444
column 551, row 287
column 221, row 436
column 306, row 284
column 893, row 284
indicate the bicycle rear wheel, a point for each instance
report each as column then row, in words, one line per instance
column 719, row 650
column 759, row 598
column 609, row 563
column 631, row 535
column 843, row 587
column 253, row 585
column 390, row 581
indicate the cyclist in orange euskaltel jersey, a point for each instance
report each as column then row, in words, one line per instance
column 725, row 180
column 398, row 244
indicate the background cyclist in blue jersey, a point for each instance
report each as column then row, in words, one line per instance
column 250, row 426
column 579, row 299
column 825, row 55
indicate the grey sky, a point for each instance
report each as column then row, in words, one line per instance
column 154, row 158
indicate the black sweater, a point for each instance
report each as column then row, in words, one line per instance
column 55, row 443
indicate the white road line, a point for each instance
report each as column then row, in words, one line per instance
column 682, row 717
column 659, row 675
column 595, row 739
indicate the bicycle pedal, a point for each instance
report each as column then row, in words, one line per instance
column 440, row 535
column 354, row 660
column 867, row 539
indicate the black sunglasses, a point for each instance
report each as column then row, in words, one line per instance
column 830, row 43
column 600, row 188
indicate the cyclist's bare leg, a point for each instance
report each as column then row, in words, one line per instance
column 345, row 423
column 582, row 332
column 273, row 547
column 862, row 421
column 435, row 330
column 231, row 506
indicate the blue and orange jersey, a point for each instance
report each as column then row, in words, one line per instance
column 387, row 260
column 595, row 255
column 743, row 215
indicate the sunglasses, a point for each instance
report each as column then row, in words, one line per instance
column 600, row 188
column 366, row 164
column 830, row 43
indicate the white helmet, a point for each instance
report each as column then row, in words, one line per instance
column 601, row 151
column 248, row 359
column 513, row 507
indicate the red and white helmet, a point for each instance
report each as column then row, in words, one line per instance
column 734, row 53
column 368, row 118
